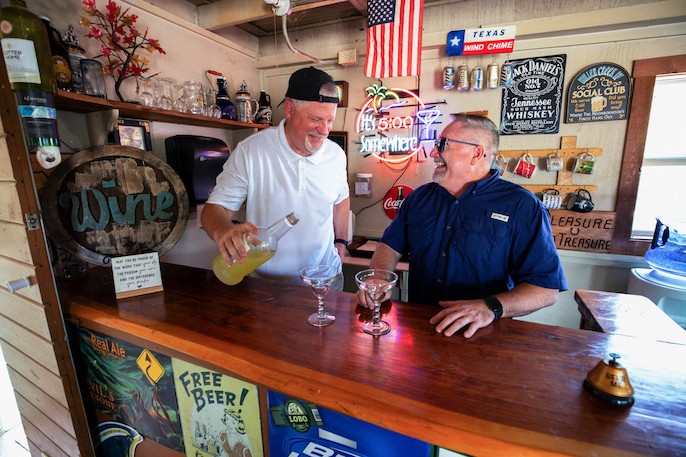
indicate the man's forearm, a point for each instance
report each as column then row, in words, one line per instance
column 526, row 298
column 384, row 257
column 216, row 220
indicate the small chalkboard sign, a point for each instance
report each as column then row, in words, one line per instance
column 136, row 275
column 599, row 92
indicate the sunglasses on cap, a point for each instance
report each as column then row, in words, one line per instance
column 443, row 142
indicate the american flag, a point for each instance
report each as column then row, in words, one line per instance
column 394, row 38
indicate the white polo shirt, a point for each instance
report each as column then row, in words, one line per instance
column 273, row 181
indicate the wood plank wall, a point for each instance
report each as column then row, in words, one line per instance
column 32, row 334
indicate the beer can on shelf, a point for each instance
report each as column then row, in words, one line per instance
column 448, row 78
column 493, row 76
column 477, row 81
column 506, row 75
column 463, row 77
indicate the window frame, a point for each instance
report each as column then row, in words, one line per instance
column 644, row 73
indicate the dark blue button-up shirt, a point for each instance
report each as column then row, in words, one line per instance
column 495, row 236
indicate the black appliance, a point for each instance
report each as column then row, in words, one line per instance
column 198, row 160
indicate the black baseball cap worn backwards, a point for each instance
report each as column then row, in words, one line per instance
column 306, row 83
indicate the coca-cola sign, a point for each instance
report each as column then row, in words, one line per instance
column 393, row 200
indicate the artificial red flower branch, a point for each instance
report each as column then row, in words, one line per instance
column 121, row 41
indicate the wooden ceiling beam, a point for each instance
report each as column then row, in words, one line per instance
column 224, row 13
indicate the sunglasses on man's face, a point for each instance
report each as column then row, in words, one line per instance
column 443, row 142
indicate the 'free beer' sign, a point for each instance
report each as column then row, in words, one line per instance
column 491, row 40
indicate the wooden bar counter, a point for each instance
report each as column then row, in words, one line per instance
column 515, row 388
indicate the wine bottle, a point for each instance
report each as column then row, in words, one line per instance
column 26, row 50
column 60, row 57
column 261, row 247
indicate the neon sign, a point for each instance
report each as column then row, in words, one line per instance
column 389, row 131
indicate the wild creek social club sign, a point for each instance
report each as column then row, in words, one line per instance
column 393, row 133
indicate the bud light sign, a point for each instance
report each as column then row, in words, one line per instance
column 393, row 200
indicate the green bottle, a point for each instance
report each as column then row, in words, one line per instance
column 60, row 57
column 26, row 50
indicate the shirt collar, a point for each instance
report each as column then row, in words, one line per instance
column 478, row 186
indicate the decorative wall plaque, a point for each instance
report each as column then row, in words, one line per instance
column 533, row 105
column 599, row 92
column 114, row 201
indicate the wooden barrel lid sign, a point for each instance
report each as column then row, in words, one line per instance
column 113, row 201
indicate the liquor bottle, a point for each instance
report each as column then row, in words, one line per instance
column 223, row 100
column 76, row 55
column 261, row 247
column 26, row 49
column 60, row 57
column 264, row 110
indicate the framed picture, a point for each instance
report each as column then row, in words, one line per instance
column 340, row 138
column 342, row 87
column 132, row 132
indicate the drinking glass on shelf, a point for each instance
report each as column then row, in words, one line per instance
column 179, row 99
column 163, row 93
column 147, row 94
column 93, row 78
column 319, row 278
column 213, row 110
column 195, row 103
column 376, row 283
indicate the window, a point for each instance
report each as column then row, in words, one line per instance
column 663, row 171
column 645, row 73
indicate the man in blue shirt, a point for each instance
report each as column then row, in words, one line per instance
column 480, row 247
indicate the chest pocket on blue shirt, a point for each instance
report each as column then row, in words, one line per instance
column 421, row 228
column 482, row 242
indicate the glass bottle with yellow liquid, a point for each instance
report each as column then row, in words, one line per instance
column 261, row 247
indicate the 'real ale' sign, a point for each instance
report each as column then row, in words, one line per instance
column 113, row 201
column 590, row 232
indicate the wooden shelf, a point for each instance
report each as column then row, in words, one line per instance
column 79, row 103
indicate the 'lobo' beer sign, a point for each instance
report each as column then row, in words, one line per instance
column 114, row 201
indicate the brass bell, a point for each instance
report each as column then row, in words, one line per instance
column 610, row 381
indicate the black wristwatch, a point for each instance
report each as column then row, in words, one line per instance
column 494, row 305
column 341, row 241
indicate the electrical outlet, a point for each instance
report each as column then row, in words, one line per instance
column 347, row 57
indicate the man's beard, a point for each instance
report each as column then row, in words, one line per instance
column 312, row 148
column 438, row 175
